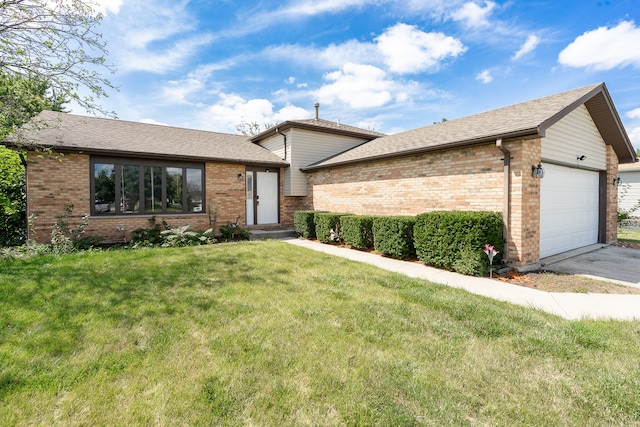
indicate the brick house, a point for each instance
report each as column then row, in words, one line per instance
column 122, row 173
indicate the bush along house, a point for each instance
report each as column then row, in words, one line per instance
column 548, row 166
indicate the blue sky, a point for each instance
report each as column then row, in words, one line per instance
column 387, row 65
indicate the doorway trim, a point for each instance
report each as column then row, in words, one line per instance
column 251, row 173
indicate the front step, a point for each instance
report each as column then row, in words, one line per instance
column 272, row 234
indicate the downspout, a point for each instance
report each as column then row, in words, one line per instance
column 506, row 199
column 285, row 143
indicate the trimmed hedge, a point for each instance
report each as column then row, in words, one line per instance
column 357, row 231
column 393, row 236
column 325, row 222
column 304, row 224
column 443, row 239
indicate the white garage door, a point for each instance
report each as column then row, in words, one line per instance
column 569, row 208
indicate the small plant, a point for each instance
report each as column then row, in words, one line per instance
column 182, row 236
column 491, row 252
column 233, row 231
column 63, row 236
column 149, row 236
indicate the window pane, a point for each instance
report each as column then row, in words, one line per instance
column 152, row 189
column 174, row 189
column 105, row 188
column 194, row 190
column 130, row 182
column 249, row 185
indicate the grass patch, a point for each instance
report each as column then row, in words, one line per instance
column 628, row 235
column 266, row 333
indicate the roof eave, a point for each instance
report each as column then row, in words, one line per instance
column 532, row 132
column 289, row 125
column 623, row 146
column 163, row 156
column 618, row 139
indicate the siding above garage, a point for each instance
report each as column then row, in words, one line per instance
column 574, row 136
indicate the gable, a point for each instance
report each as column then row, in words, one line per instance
column 573, row 136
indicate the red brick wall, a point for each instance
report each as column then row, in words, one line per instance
column 468, row 179
column 52, row 182
column 464, row 179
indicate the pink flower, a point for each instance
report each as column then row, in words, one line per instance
column 490, row 251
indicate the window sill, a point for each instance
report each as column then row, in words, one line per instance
column 147, row 215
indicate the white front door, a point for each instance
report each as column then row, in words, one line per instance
column 569, row 207
column 267, row 197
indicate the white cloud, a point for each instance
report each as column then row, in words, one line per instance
column 233, row 109
column 485, row 77
column 154, row 36
column 528, row 47
column 331, row 56
column 402, row 48
column 604, row 48
column 406, row 49
column 153, row 122
column 316, row 7
column 160, row 61
column 178, row 91
column 634, row 114
column 474, row 15
column 358, row 86
column 290, row 112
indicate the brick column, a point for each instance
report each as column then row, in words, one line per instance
column 524, row 241
column 611, row 230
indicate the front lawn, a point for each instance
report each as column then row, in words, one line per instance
column 269, row 334
column 628, row 235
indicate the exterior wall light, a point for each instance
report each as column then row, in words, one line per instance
column 537, row 171
column 239, row 177
column 581, row 158
column 617, row 181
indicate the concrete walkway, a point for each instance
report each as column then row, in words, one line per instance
column 567, row 305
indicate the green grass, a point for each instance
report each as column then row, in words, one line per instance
column 627, row 235
column 274, row 335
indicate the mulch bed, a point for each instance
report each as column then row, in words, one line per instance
column 630, row 245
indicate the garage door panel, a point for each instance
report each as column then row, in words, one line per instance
column 569, row 205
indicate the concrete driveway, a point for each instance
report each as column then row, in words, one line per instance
column 612, row 263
